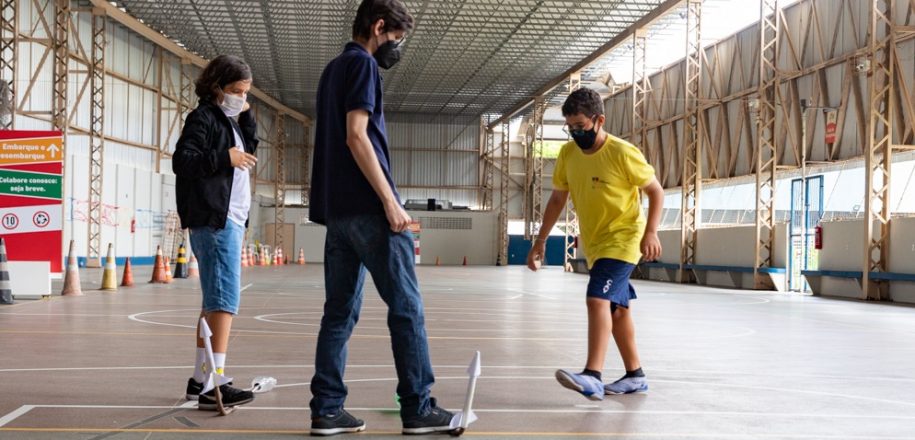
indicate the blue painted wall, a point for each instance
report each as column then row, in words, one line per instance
column 518, row 248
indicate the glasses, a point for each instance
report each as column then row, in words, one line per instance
column 577, row 131
column 400, row 41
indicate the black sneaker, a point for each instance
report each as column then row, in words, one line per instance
column 437, row 420
column 230, row 397
column 194, row 389
column 339, row 423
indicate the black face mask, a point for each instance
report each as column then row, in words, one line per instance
column 388, row 54
column 585, row 139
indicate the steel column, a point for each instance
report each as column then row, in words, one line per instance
column 690, row 213
column 185, row 91
column 641, row 87
column 306, row 159
column 571, row 216
column 878, row 156
column 767, row 154
column 279, row 184
column 61, row 48
column 9, row 52
column 487, row 160
column 96, row 136
column 534, row 185
column 504, row 165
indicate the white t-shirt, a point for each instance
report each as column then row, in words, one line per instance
column 240, row 199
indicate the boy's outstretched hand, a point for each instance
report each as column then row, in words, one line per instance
column 651, row 246
column 535, row 256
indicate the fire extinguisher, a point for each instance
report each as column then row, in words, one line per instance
column 133, row 225
column 818, row 237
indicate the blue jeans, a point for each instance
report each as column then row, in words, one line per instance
column 354, row 245
column 218, row 254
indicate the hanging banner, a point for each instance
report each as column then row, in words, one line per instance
column 416, row 229
column 31, row 188
column 831, row 117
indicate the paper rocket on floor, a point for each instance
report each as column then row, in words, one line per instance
column 213, row 379
column 463, row 419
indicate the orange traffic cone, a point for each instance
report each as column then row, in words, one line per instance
column 251, row 260
column 127, row 280
column 465, row 260
column 244, row 258
column 158, row 275
column 71, row 279
column 110, row 275
column 168, row 270
column 301, row 257
column 193, row 270
column 282, row 257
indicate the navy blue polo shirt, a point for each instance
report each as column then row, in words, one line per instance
column 338, row 188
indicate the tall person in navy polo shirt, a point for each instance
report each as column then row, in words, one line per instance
column 354, row 195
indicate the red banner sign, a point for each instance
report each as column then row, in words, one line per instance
column 831, row 127
column 31, row 186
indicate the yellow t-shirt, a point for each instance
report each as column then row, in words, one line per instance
column 605, row 190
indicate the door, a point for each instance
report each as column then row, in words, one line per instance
column 806, row 213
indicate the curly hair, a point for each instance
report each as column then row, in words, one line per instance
column 220, row 72
column 585, row 101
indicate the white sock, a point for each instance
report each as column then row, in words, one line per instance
column 200, row 365
column 220, row 359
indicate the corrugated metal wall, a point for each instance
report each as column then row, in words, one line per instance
column 820, row 43
column 133, row 190
column 436, row 157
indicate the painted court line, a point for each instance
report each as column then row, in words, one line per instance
column 578, row 410
column 15, row 414
column 712, row 373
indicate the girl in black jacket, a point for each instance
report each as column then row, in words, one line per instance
column 212, row 161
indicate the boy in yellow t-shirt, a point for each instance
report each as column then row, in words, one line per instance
column 604, row 174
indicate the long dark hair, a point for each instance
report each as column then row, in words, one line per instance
column 220, row 72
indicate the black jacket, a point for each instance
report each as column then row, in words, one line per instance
column 201, row 163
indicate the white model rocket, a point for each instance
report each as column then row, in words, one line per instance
column 213, row 379
column 464, row 418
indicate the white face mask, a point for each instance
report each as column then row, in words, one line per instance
column 232, row 105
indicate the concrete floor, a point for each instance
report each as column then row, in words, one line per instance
column 721, row 364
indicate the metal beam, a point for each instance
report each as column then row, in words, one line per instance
column 96, row 137
column 306, row 159
column 504, row 164
column 767, row 155
column 487, row 180
column 279, row 184
column 878, row 157
column 185, row 92
column 692, row 163
column 571, row 216
column 641, row 87
column 9, row 52
column 534, row 186
column 622, row 38
column 61, row 39
column 156, row 37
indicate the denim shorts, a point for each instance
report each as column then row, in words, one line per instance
column 218, row 253
column 610, row 281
